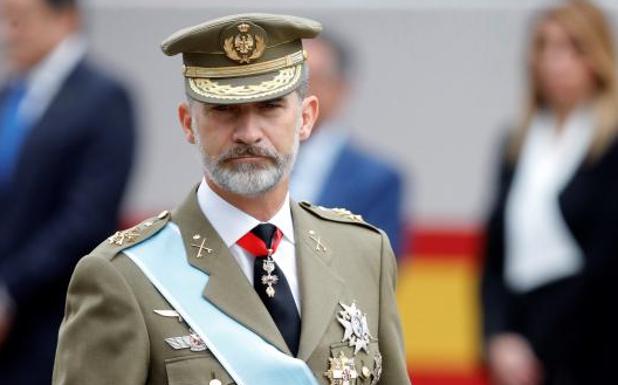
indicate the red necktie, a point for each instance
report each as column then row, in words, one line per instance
column 262, row 242
column 255, row 240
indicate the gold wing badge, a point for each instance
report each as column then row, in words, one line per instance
column 246, row 45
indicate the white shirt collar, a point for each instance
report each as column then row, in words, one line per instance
column 46, row 78
column 59, row 63
column 232, row 223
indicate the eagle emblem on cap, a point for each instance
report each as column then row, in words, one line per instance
column 246, row 43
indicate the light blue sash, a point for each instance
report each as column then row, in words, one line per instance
column 247, row 357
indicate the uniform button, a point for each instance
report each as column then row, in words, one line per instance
column 366, row 372
column 214, row 382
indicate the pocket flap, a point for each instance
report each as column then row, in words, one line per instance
column 195, row 370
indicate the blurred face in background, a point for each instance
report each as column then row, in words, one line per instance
column 30, row 29
column 325, row 80
column 563, row 74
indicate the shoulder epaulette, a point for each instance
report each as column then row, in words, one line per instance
column 336, row 215
column 123, row 239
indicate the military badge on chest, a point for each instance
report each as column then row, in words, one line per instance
column 192, row 342
column 351, row 368
column 355, row 325
column 342, row 370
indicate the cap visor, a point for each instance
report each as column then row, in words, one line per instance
column 246, row 89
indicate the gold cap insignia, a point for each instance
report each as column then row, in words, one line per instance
column 244, row 42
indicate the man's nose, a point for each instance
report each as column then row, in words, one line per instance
column 248, row 129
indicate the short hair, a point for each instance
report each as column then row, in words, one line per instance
column 62, row 5
column 303, row 85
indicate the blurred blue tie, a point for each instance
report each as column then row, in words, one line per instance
column 12, row 131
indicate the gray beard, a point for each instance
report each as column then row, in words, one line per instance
column 248, row 179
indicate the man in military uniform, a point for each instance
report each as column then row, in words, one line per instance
column 239, row 284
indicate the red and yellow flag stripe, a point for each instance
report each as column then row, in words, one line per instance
column 438, row 300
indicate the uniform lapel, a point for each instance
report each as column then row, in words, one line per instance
column 320, row 286
column 227, row 287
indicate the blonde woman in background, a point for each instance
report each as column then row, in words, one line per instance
column 551, row 277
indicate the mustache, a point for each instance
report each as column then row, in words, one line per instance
column 248, row 150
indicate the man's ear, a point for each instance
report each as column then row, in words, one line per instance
column 186, row 121
column 309, row 114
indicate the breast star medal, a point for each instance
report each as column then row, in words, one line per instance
column 342, row 370
column 355, row 324
column 269, row 279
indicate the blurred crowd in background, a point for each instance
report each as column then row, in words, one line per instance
column 548, row 258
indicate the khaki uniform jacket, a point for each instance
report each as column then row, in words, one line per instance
column 111, row 335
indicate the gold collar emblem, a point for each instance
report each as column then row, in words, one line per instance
column 244, row 42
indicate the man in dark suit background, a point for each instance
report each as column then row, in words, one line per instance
column 66, row 147
column 334, row 171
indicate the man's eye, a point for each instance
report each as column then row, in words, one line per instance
column 270, row 105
